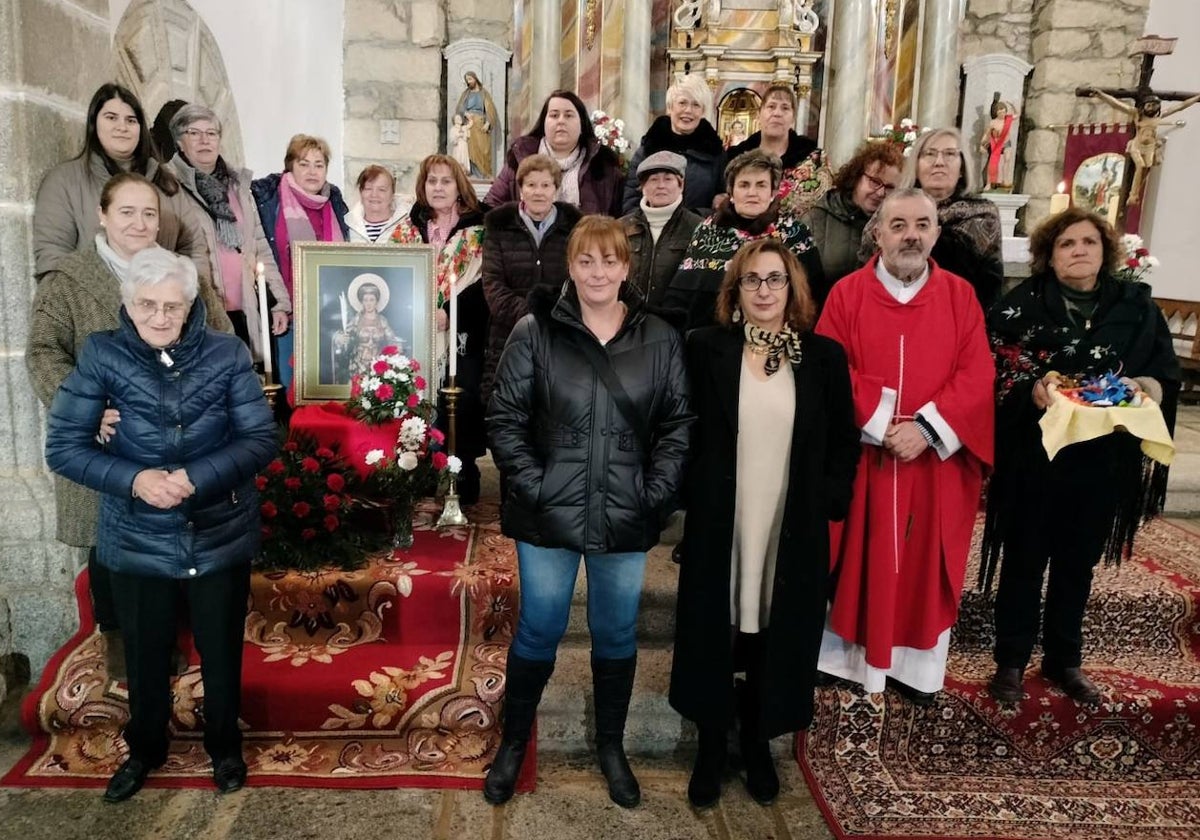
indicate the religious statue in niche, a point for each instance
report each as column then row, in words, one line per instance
column 737, row 116
column 478, row 113
column 998, row 147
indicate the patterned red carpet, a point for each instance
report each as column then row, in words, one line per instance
column 389, row 676
column 880, row 767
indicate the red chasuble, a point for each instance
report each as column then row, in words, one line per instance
column 901, row 555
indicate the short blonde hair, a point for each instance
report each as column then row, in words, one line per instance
column 693, row 86
column 968, row 179
column 302, row 144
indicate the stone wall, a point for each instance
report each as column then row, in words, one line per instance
column 42, row 105
column 996, row 26
column 393, row 76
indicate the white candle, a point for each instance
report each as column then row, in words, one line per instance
column 264, row 320
column 452, row 338
column 1112, row 210
column 1060, row 201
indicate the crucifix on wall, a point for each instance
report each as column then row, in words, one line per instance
column 1145, row 148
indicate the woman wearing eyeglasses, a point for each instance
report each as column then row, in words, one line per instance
column 969, row 243
column 772, row 460
column 179, row 515
column 839, row 217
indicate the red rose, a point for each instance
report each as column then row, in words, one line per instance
column 308, row 534
column 335, row 482
column 381, row 367
column 301, row 509
column 390, row 350
column 324, row 452
column 331, row 523
column 436, row 434
column 414, row 365
column 292, row 483
column 260, row 482
column 439, row 460
column 414, row 400
column 275, row 467
column 385, row 392
column 1132, row 262
column 1142, row 252
column 268, row 510
column 291, row 446
column 311, row 465
column 332, row 501
column 419, row 382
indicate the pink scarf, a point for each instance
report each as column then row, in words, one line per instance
column 294, row 225
column 439, row 233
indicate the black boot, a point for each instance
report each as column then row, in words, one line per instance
column 524, row 680
column 762, row 782
column 612, row 682
column 704, row 788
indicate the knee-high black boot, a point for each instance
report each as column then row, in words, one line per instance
column 612, row 682
column 523, row 683
column 704, row 788
column 762, row 782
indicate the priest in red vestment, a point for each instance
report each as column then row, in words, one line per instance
column 922, row 377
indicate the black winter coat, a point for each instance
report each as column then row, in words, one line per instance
column 824, row 457
column 579, row 477
column 705, row 153
column 652, row 264
column 513, row 265
column 206, row 413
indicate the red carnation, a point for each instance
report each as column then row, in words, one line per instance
column 335, row 482
column 268, row 510
column 292, row 483
column 308, row 533
column 355, row 387
column 414, row 365
column 390, row 350
column 324, row 452
column 266, row 532
column 331, row 523
column 301, row 509
column 380, row 367
column 1142, row 252
column 275, row 467
column 1132, row 262
column 439, row 460
column 260, row 482
column 414, row 400
column 436, row 434
column 420, row 383
column 291, row 446
column 332, row 501
column 385, row 392
column 310, row 464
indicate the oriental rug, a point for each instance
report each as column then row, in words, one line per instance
column 387, row 676
column 1129, row 768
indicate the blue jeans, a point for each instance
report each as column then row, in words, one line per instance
column 547, row 584
column 286, row 345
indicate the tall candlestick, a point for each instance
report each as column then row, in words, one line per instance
column 1060, row 201
column 264, row 320
column 452, row 337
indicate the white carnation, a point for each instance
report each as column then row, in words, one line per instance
column 1152, row 262
column 407, row 461
column 454, row 464
column 374, row 457
column 887, row 128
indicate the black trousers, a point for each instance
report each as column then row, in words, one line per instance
column 240, row 327
column 1064, row 524
column 148, row 609
column 100, row 584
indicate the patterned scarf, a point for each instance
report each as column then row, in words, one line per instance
column 293, row 224
column 214, row 198
column 776, row 346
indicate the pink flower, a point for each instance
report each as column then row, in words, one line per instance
column 355, row 387
column 385, row 392
column 390, row 350
column 414, row 365
column 1132, row 262
column 438, row 459
column 436, row 434
column 419, row 381
column 380, row 367
column 414, row 400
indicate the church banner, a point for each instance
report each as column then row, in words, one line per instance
column 1094, row 168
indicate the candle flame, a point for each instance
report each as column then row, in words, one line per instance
column 1062, row 188
column 259, row 269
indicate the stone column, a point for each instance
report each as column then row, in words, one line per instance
column 545, row 64
column 853, row 29
column 937, row 99
column 635, row 69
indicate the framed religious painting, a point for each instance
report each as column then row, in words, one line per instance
column 350, row 302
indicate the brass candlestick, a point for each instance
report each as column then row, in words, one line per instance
column 271, row 391
column 452, row 511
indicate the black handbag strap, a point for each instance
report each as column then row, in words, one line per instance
column 603, row 365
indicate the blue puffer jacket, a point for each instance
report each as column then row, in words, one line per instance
column 266, row 196
column 205, row 413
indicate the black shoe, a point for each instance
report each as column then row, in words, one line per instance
column 612, row 684
column 917, row 698
column 230, row 774
column 1005, row 685
column 501, row 781
column 704, row 787
column 623, row 787
column 762, row 782
column 127, row 781
column 1075, row 683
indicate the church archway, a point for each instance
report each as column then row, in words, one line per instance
column 164, row 51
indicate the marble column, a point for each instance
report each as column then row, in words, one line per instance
column 937, row 98
column 850, row 61
column 635, row 69
column 545, row 66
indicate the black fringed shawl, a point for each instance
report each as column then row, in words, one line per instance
column 1032, row 334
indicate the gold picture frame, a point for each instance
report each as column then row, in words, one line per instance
column 334, row 339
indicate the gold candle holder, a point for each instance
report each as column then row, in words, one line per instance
column 271, row 391
column 452, row 513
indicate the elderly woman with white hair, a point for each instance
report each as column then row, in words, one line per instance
column 229, row 221
column 940, row 164
column 686, row 130
column 179, row 516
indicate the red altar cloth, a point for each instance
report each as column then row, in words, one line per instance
column 330, row 425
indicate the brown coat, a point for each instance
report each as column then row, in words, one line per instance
column 78, row 297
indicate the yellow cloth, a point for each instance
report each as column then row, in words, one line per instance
column 1066, row 422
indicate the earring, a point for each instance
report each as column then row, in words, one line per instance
column 736, row 317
